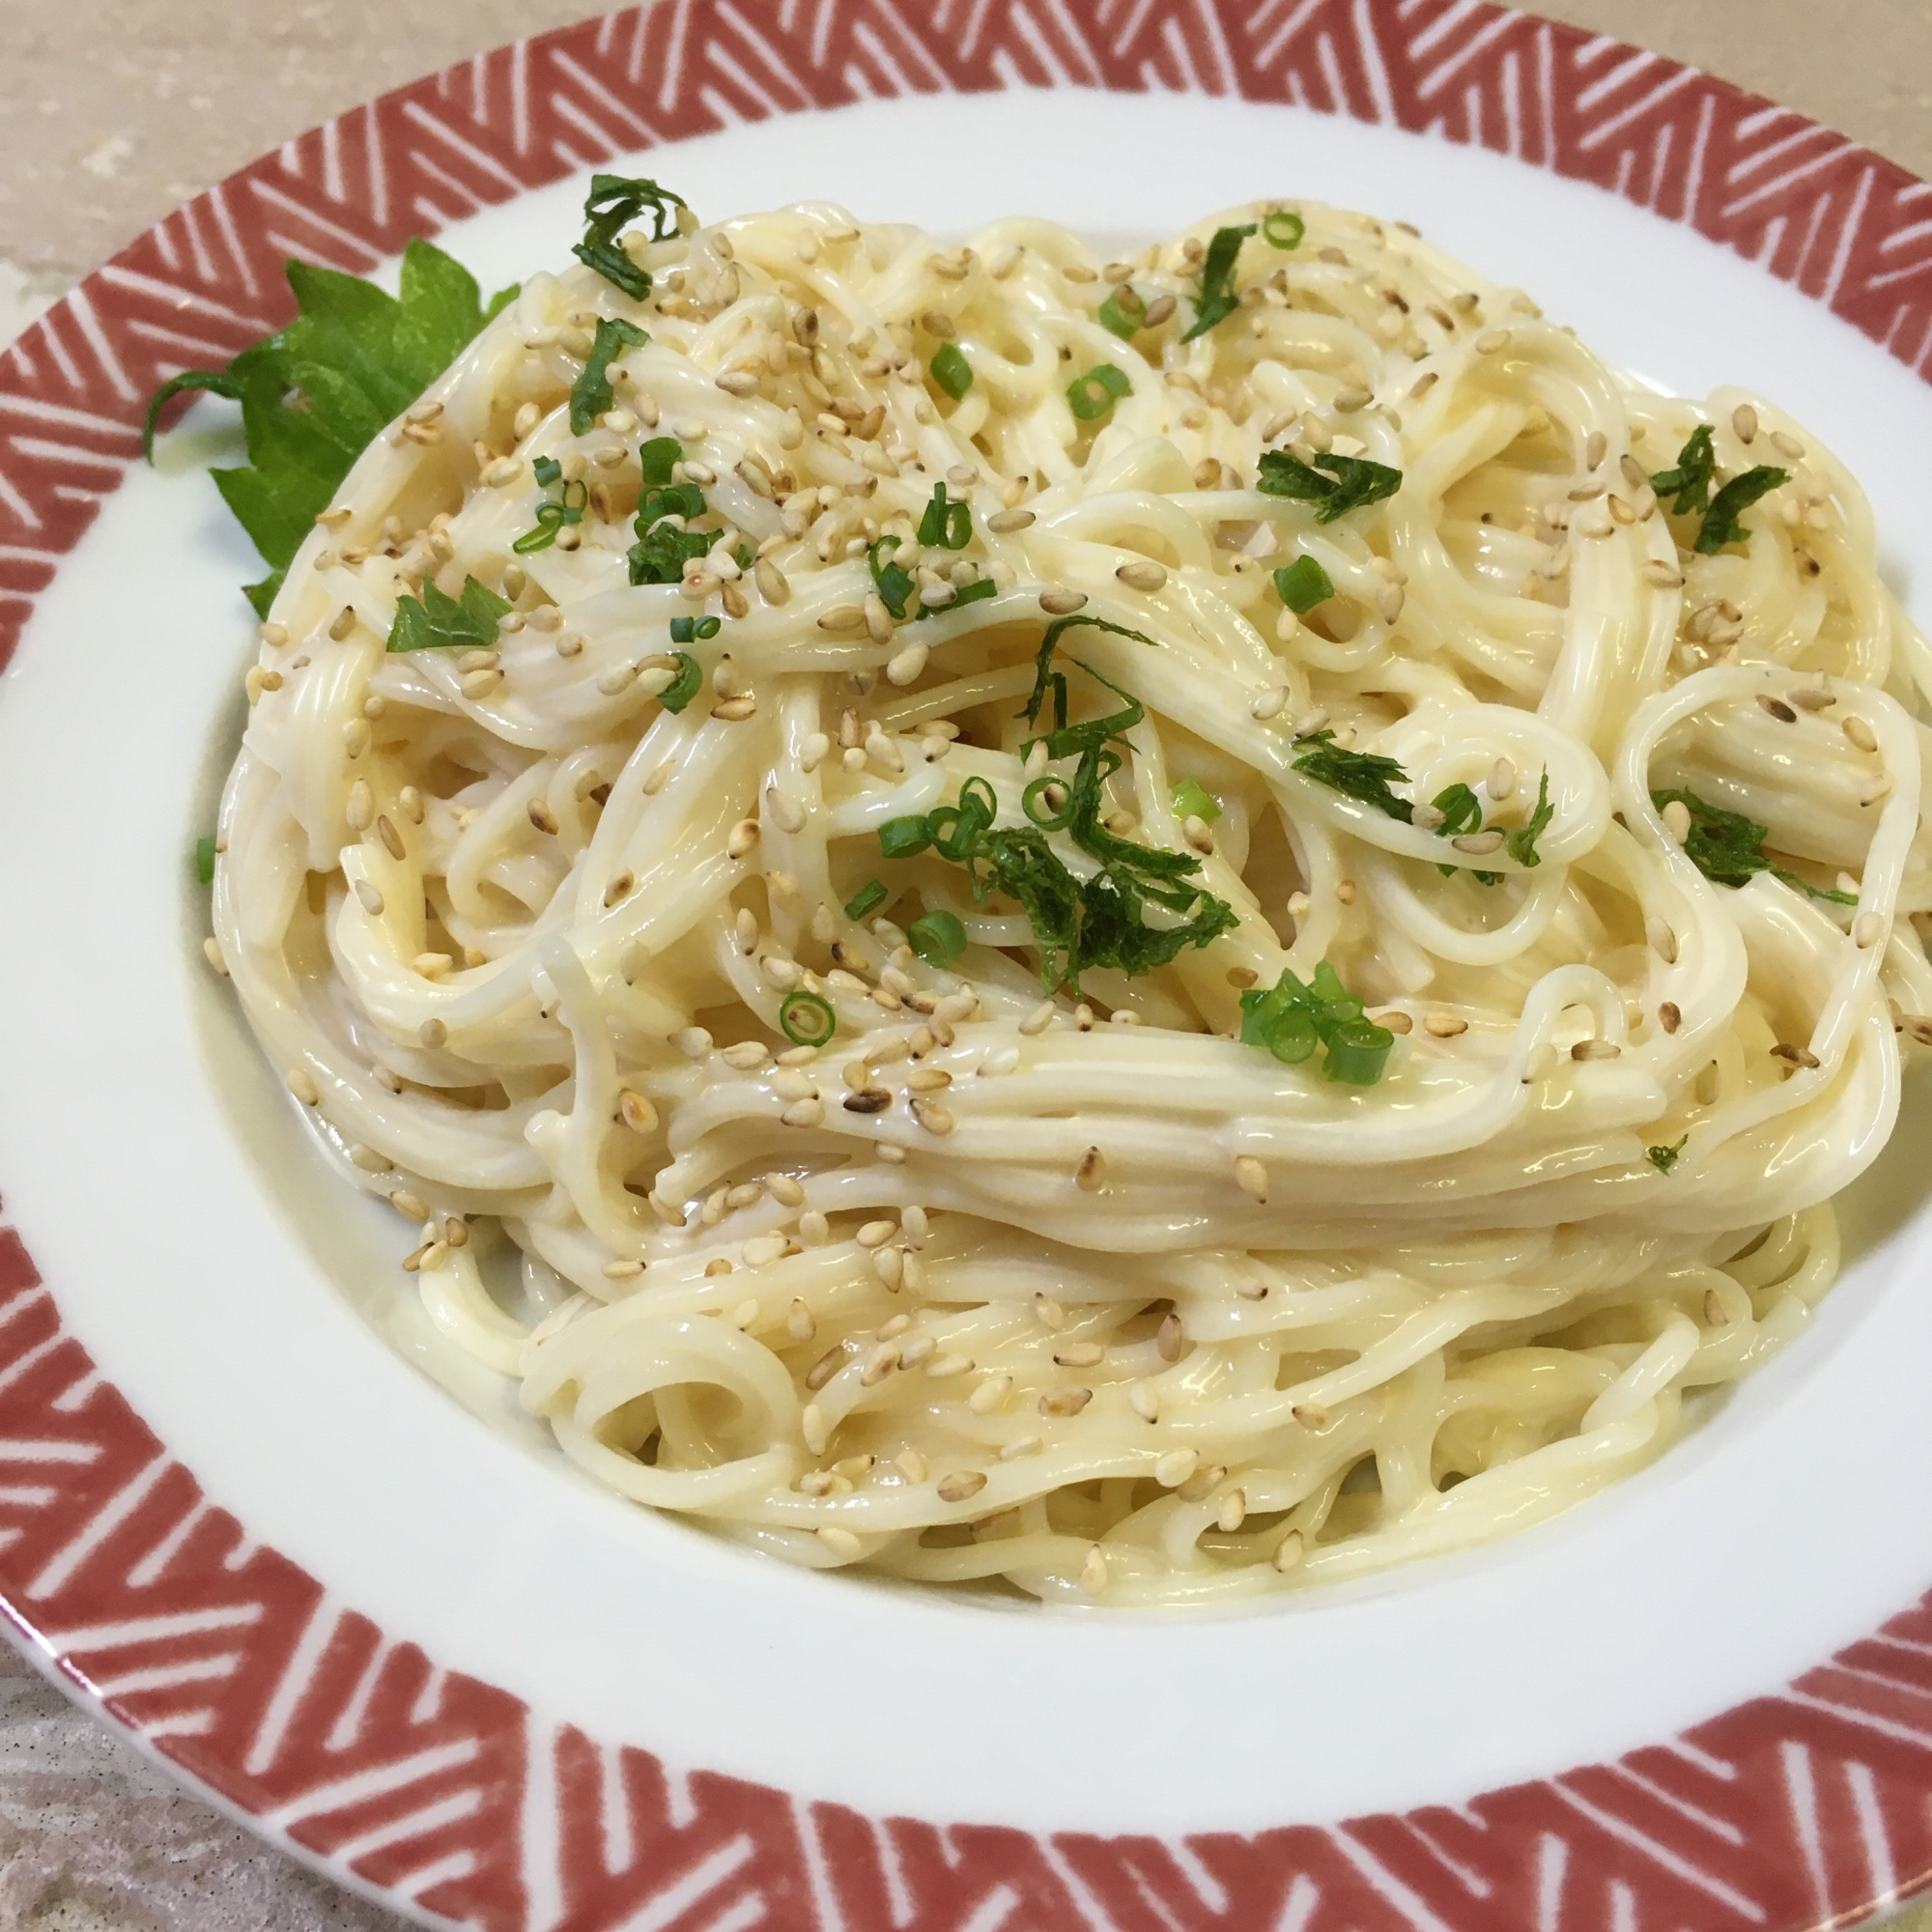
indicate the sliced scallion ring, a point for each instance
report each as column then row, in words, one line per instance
column 807, row 1020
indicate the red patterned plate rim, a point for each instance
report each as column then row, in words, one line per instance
column 453, row 1802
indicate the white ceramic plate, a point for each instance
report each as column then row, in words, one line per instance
column 397, row 1631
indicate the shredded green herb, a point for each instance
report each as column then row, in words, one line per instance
column 1217, row 300
column 937, row 937
column 1292, row 1019
column 1090, row 396
column 1363, row 775
column 1521, row 844
column 315, row 394
column 1302, row 584
column 1689, row 483
column 1351, row 482
column 1123, row 313
column 1720, row 525
column 694, row 630
column 438, row 621
column 1728, row 848
column 944, row 525
column 1078, row 923
column 204, row 861
column 665, row 512
column 1665, row 1158
column 659, row 459
column 591, row 394
column 866, row 900
column 614, row 203
column 553, row 513
column 950, row 370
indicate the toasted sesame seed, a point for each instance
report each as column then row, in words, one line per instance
column 1787, row 446
column 1062, row 603
column 1664, row 575
column 1777, row 708
column 1251, row 1176
column 636, row 1111
column 342, row 623
column 1144, row 1400
column 1063, row 1402
column 1148, row 577
column 934, row 1118
column 1287, row 1552
column 541, row 815
column 1198, row 1487
column 1078, row 1355
column 1168, row 1341
column 1092, row 1173
column 990, row 1395
column 804, row 1114
column 1595, row 1049
column 1443, row 1026
column 1677, row 821
column 1878, row 789
column 961, row 1484
column 840, row 1543
column 371, row 899
column 304, row 1087
column 1093, row 1571
column 1478, row 845
column 1861, row 733
column 1006, row 523
column 1799, row 1055
column 1175, row 1468
column 1662, row 940
column 1867, row 929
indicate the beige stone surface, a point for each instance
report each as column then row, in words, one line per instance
column 111, row 111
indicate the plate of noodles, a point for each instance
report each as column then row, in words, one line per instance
column 1028, row 1037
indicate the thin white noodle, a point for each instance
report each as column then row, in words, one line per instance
column 1468, row 1297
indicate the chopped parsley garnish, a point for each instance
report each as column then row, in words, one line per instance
column 1283, row 229
column 1190, row 801
column 690, row 679
column 1363, row 775
column 1217, row 300
column 1665, row 1158
column 590, row 393
column 692, row 630
column 1078, row 923
column 438, row 621
column 807, row 1019
column 1352, row 481
column 317, row 394
column 1689, row 483
column 204, row 861
column 893, row 584
column 944, row 525
column 1302, row 584
column 553, row 513
column 614, row 203
column 1521, row 844
column 937, row 937
column 1728, row 848
column 1092, row 395
column 1720, row 525
column 1292, row 1019
column 950, row 370
column 866, row 900
column 1122, row 312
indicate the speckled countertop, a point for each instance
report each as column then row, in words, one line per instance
column 111, row 111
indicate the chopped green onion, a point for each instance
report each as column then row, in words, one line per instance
column 904, row 837
column 937, row 937
column 658, row 456
column 807, row 1020
column 1302, row 584
column 1291, row 1018
column 548, row 470
column 1191, row 802
column 946, row 525
column 1123, row 313
column 893, row 585
column 1665, row 1158
column 1092, row 395
column 968, row 593
column 1283, row 229
column 1036, row 802
column 688, row 683
column 950, row 370
column 866, row 900
column 552, row 515
column 204, row 861
column 690, row 630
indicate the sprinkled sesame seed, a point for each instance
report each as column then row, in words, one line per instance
column 1799, row 1055
column 1062, row 603
column 960, row 1484
column 1443, row 1026
column 1251, row 1176
column 1287, row 1552
column 1867, row 929
column 1662, row 940
column 1175, row 1468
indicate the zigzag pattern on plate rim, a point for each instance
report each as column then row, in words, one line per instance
column 447, row 1795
